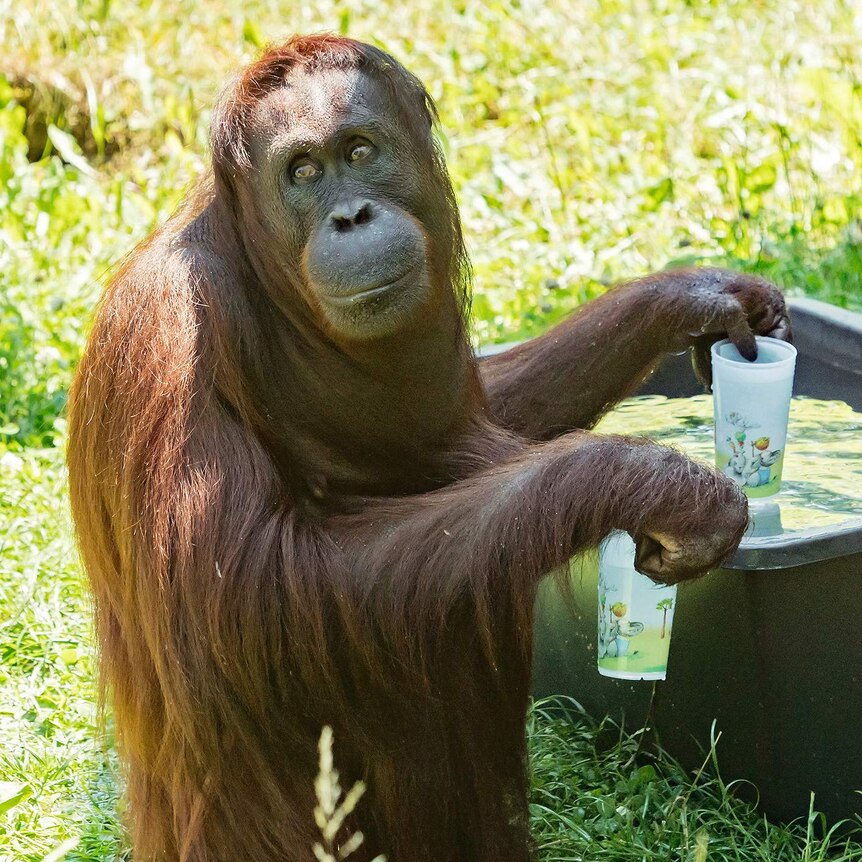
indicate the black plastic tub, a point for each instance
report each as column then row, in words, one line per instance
column 766, row 651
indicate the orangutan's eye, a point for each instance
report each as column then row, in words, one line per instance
column 359, row 151
column 304, row 171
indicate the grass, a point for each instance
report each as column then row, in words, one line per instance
column 52, row 758
column 588, row 142
column 592, row 800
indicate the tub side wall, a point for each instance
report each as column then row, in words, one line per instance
column 778, row 671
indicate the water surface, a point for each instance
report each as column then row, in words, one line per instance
column 822, row 478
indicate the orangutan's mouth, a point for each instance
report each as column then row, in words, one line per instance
column 365, row 294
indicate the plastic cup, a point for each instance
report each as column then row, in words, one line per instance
column 764, row 519
column 635, row 615
column 752, row 405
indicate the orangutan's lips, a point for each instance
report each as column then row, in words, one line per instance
column 367, row 293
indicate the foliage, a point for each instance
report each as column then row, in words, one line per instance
column 597, row 795
column 588, row 142
column 58, row 772
column 62, row 227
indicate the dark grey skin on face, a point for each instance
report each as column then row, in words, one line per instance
column 349, row 200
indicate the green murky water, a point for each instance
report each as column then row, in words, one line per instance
column 822, row 477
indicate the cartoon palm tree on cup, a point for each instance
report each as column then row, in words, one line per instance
column 664, row 605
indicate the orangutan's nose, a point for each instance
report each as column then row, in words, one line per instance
column 349, row 214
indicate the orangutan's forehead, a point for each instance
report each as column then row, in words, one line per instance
column 312, row 107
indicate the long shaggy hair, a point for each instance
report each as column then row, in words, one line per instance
column 279, row 537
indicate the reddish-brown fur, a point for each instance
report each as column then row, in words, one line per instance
column 282, row 531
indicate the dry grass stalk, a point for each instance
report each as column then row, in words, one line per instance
column 331, row 810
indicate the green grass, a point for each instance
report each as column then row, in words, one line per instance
column 588, row 142
column 51, row 753
column 594, row 800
